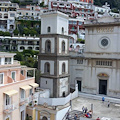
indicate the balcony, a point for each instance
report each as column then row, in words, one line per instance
column 9, row 108
column 23, row 101
column 33, row 97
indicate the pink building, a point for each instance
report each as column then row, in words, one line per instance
column 17, row 88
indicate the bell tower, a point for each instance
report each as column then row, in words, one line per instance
column 54, row 53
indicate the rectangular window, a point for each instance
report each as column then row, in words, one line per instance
column 104, row 63
column 31, row 92
column 0, row 61
column 22, row 72
column 7, row 60
column 80, row 61
column 22, row 93
column 13, row 76
column 7, row 100
column 1, row 78
column 70, row 22
column 12, row 15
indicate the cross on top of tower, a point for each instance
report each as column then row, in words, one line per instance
column 106, row 6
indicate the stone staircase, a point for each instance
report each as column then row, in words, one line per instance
column 72, row 114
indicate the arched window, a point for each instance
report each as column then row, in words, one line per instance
column 49, row 29
column 48, row 46
column 44, row 118
column 63, row 68
column 63, row 46
column 62, row 30
column 29, row 48
column 22, row 48
column 37, row 48
column 47, row 67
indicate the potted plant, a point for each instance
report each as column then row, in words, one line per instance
column 30, row 104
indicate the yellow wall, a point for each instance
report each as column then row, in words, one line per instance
column 52, row 117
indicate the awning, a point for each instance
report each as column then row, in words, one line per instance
column 27, row 68
column 11, row 92
column 27, row 87
column 34, row 85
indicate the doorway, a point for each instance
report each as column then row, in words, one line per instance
column 22, row 115
column 63, row 94
column 79, row 85
column 103, row 87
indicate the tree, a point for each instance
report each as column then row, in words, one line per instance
column 16, row 32
column 26, row 31
column 19, row 56
column 33, row 32
column 81, row 41
column 42, row 4
column 15, row 1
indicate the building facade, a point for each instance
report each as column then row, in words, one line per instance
column 7, row 16
column 31, row 12
column 18, row 43
column 97, row 70
column 54, row 53
column 17, row 88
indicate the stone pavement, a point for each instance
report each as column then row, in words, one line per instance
column 99, row 109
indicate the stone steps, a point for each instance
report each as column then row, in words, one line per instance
column 72, row 114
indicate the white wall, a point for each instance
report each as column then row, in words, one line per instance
column 60, row 66
column 60, row 45
column 60, row 114
column 52, row 44
column 59, row 101
column 62, row 22
column 56, row 21
column 63, row 86
column 48, row 21
column 49, row 84
column 51, row 66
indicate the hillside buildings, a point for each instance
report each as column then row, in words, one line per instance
column 18, row 43
column 31, row 12
column 7, row 16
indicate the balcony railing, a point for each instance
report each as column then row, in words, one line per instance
column 23, row 101
column 7, row 63
column 29, row 99
column 10, row 108
column 33, row 97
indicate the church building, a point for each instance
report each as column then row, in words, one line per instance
column 97, row 70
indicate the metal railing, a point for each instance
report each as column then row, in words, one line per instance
column 10, row 108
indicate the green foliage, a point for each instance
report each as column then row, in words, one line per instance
column 113, row 3
column 42, row 4
column 1, row 33
column 16, row 32
column 15, row 1
column 28, row 27
column 19, row 56
column 81, row 41
column 4, row 33
column 115, row 10
column 27, row 57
